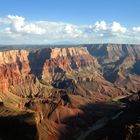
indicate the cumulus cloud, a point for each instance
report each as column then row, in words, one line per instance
column 116, row 27
column 19, row 25
column 17, row 29
column 136, row 29
column 101, row 25
column 72, row 30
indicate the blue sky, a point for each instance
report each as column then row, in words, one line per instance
column 77, row 21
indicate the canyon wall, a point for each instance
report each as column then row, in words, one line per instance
column 118, row 64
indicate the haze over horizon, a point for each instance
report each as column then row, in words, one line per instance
column 69, row 22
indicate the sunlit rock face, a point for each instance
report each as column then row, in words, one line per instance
column 18, row 66
column 118, row 64
column 14, row 68
column 66, row 88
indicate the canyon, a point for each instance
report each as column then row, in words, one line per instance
column 58, row 92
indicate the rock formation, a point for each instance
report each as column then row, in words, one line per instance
column 61, row 86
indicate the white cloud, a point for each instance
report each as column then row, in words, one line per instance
column 116, row 27
column 72, row 30
column 18, row 25
column 101, row 25
column 136, row 29
column 16, row 29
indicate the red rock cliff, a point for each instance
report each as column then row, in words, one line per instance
column 19, row 66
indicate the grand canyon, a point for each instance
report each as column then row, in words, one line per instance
column 70, row 92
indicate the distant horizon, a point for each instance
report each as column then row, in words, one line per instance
column 69, row 44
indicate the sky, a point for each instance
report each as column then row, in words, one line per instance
column 69, row 21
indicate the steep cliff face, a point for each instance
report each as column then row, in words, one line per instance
column 19, row 66
column 14, row 68
column 64, row 87
column 112, row 52
column 68, row 59
column 74, row 58
column 120, row 63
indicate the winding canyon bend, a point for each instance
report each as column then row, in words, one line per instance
column 60, row 91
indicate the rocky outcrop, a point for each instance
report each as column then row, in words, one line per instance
column 68, row 59
column 19, row 66
column 120, row 63
column 14, row 68
column 65, row 87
